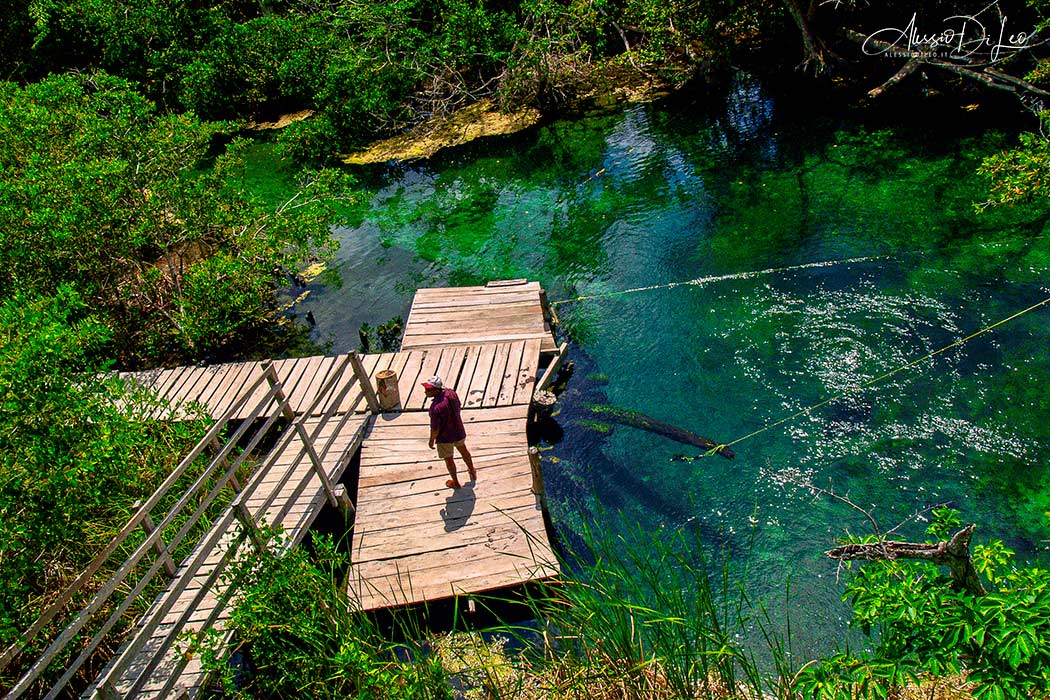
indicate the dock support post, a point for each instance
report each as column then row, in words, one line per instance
column 308, row 445
column 366, row 383
column 162, row 553
column 537, row 472
column 345, row 504
column 548, row 375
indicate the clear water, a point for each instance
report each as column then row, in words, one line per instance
column 675, row 192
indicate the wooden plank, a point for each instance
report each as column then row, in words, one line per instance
column 515, row 353
column 455, row 338
column 510, row 283
column 450, row 365
column 470, row 361
column 416, row 398
column 456, row 292
column 423, row 512
column 484, row 331
column 425, row 540
column 291, row 376
column 347, row 375
column 475, row 394
column 390, row 467
column 209, row 383
column 166, row 379
column 470, row 561
column 531, row 311
column 299, row 396
column 526, row 379
column 262, row 390
column 373, row 600
column 477, row 323
column 317, row 382
column 499, row 365
column 407, row 431
column 409, row 377
column 515, row 297
column 221, row 399
column 386, row 481
column 469, row 415
column 431, row 537
column 177, row 388
column 184, row 388
column 478, row 571
column 241, row 378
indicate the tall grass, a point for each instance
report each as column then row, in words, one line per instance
column 646, row 610
column 643, row 618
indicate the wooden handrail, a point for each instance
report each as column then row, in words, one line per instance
column 118, row 577
column 190, row 568
column 13, row 650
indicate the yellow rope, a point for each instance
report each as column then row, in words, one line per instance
column 721, row 278
column 887, row 375
column 699, row 281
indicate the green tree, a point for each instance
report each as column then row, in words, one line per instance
column 103, row 193
column 924, row 623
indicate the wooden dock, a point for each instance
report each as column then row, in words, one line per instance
column 414, row 540
column 497, row 312
column 492, row 374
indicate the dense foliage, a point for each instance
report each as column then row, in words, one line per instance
column 100, row 194
column 365, row 67
column 923, row 626
column 302, row 636
column 126, row 233
column 71, row 462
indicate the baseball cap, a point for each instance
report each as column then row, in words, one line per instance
column 434, row 383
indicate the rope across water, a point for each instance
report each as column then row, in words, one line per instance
column 700, row 281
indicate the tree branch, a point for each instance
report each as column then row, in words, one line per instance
column 953, row 553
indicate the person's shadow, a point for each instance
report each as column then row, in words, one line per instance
column 458, row 507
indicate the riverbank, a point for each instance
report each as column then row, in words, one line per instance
column 604, row 87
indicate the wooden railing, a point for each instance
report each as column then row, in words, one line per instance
column 234, row 517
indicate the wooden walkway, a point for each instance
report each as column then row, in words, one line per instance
column 493, row 374
column 497, row 312
column 288, row 494
column 414, row 540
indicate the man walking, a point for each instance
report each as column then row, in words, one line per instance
column 446, row 429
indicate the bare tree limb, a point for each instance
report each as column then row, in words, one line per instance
column 953, row 553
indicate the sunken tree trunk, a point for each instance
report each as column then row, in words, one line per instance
column 634, row 419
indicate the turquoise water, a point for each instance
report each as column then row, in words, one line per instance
column 739, row 183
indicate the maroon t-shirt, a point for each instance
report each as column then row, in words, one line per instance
column 445, row 418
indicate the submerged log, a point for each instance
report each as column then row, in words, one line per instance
column 953, row 553
column 634, row 419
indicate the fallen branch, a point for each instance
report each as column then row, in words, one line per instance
column 953, row 553
column 984, row 74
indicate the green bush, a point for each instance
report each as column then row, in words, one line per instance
column 71, row 462
column 306, row 639
column 921, row 626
